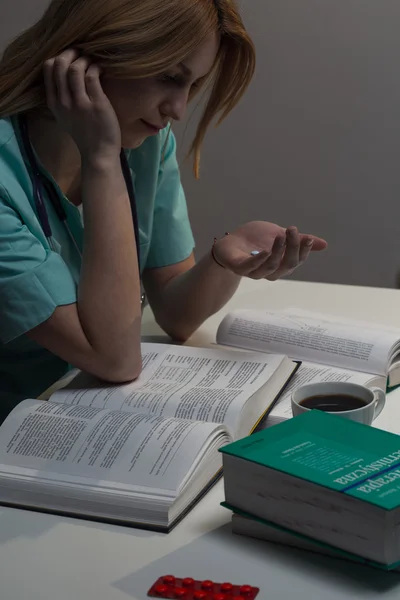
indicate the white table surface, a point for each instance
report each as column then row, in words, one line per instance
column 45, row 557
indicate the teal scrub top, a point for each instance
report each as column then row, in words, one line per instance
column 35, row 279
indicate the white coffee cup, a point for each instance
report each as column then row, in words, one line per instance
column 373, row 399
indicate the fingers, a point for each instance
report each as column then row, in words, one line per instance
column 291, row 260
column 49, row 83
column 287, row 254
column 271, row 264
column 76, row 74
column 318, row 243
column 69, row 80
column 307, row 244
column 60, row 69
column 93, row 84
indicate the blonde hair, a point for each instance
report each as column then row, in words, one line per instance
column 132, row 39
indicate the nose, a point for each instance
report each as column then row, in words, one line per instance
column 174, row 107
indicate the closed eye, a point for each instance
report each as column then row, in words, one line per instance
column 172, row 79
column 179, row 81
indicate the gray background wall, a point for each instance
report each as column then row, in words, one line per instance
column 315, row 142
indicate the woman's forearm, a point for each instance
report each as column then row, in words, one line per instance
column 109, row 289
column 189, row 299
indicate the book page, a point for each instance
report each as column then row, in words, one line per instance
column 44, row 440
column 187, row 383
column 306, row 338
column 315, row 373
column 342, row 320
column 394, row 361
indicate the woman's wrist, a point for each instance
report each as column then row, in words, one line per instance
column 214, row 254
column 215, row 259
column 101, row 162
column 218, row 266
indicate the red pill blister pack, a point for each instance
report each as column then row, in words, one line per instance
column 196, row 589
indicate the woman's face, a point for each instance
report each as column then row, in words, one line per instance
column 144, row 106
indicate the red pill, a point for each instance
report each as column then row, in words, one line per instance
column 246, row 590
column 226, row 587
column 199, row 595
column 179, row 592
column 239, row 598
column 161, row 589
column 169, row 579
column 188, row 582
column 207, row 584
column 219, row 597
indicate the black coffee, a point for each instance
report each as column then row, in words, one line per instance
column 333, row 402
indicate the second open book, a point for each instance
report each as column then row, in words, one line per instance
column 330, row 349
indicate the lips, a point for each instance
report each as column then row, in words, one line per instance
column 154, row 128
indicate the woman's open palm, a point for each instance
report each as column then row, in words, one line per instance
column 277, row 252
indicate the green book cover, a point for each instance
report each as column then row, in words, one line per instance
column 340, row 553
column 330, row 451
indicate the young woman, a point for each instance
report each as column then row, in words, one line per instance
column 92, row 77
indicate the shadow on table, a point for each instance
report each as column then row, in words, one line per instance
column 279, row 571
column 15, row 523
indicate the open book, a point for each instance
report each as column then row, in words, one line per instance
column 142, row 453
column 330, row 350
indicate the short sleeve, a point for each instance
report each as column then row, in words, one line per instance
column 33, row 280
column 171, row 237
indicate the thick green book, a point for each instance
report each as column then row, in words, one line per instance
column 246, row 524
column 324, row 476
column 340, row 454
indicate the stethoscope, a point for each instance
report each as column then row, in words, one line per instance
column 40, row 182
